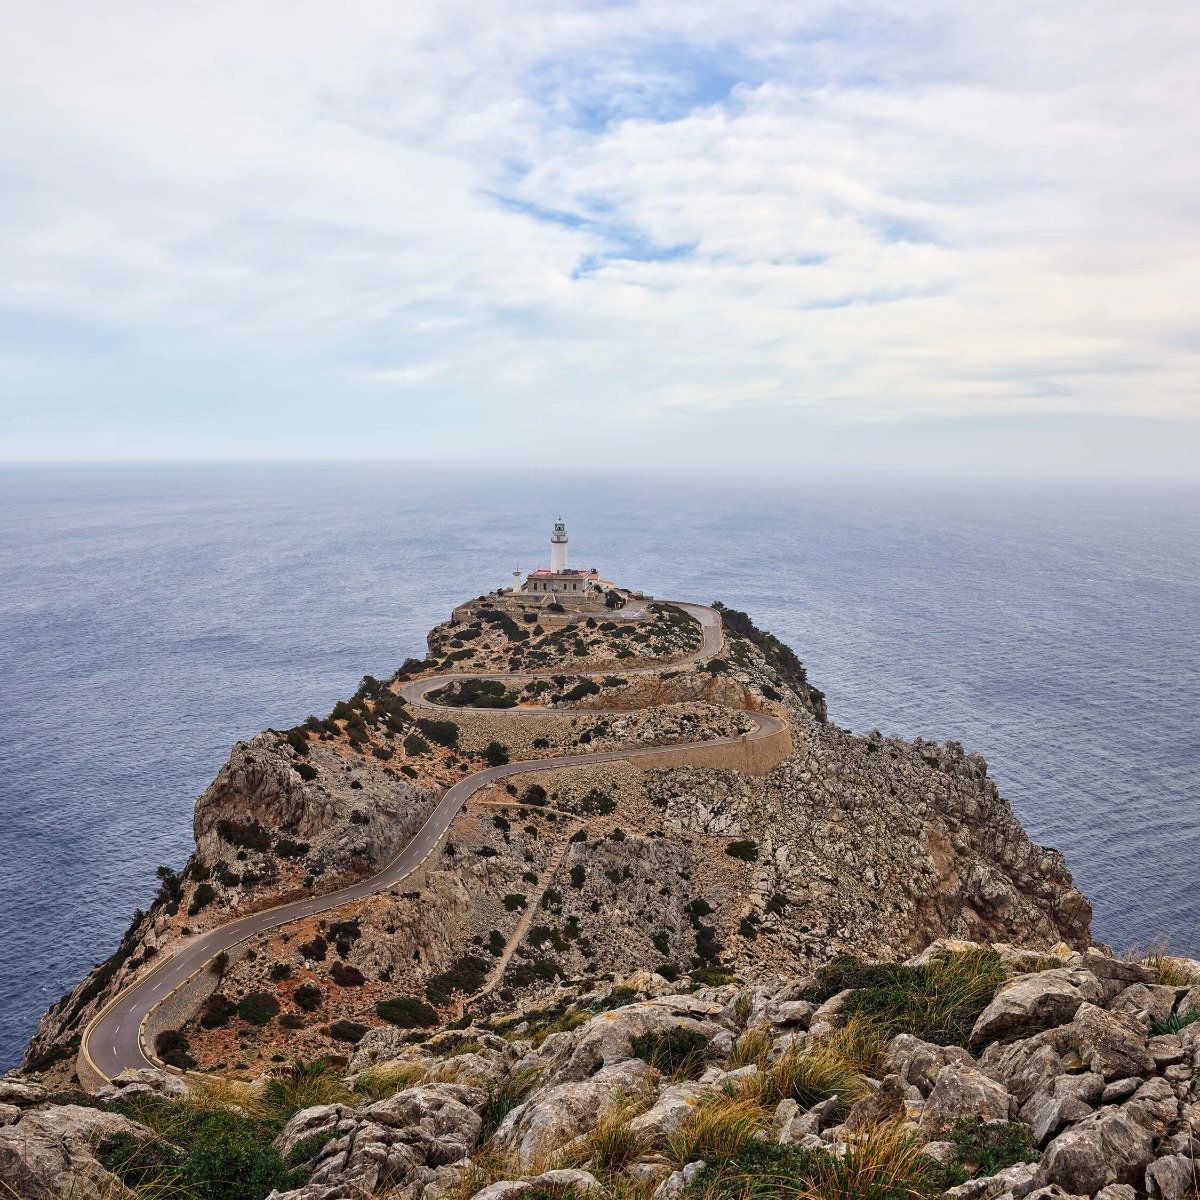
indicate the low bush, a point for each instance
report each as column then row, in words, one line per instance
column 216, row 1011
column 202, row 897
column 258, row 1008
column 745, row 849
column 495, row 754
column 415, row 744
column 466, row 975
column 246, row 835
column 286, row 848
column 347, row 1031
column 171, row 1045
column 444, row 733
column 345, row 975
column 983, row 1148
column 407, row 1012
column 309, row 997
column 938, row 1002
column 679, row 1052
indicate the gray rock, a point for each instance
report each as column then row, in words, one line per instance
column 1150, row 1003
column 553, row 1116
column 1172, row 1178
column 1017, row 1181
column 1031, row 1003
column 608, row 1038
column 678, row 1182
column 962, row 1091
column 1023, row 1067
column 20, row 1092
column 1111, row 1044
column 1107, row 1147
column 47, row 1154
column 9, row 1113
column 1116, row 1191
column 918, row 1062
column 1060, row 1101
column 675, row 1106
column 147, row 1081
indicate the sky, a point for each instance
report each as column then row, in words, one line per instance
column 728, row 234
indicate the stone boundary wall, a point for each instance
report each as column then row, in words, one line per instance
column 517, row 728
column 758, row 757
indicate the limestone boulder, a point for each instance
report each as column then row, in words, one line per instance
column 1107, row 1147
column 1031, row 1003
column 1060, row 1101
column 918, row 1062
column 50, row 1154
column 553, row 1115
column 608, row 1038
column 962, row 1091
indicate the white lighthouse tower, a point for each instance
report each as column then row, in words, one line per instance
column 558, row 547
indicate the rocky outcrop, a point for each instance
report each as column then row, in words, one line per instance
column 866, row 846
column 596, row 1092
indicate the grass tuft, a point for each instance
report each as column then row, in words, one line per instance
column 719, row 1131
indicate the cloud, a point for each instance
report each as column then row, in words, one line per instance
column 611, row 217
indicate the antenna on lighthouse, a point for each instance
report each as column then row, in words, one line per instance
column 558, row 546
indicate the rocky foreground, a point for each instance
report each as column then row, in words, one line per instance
column 972, row 1072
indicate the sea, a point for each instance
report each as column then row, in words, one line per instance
column 152, row 616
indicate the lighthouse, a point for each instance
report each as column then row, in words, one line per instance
column 558, row 547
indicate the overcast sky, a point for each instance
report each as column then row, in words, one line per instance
column 792, row 234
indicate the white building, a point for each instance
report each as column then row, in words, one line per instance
column 558, row 578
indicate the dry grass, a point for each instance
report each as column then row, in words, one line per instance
column 808, row 1074
column 860, row 1044
column 380, row 1082
column 720, row 1130
column 753, row 1048
column 1169, row 969
column 304, row 1085
column 880, row 1161
column 612, row 1145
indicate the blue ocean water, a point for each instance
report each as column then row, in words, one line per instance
column 150, row 617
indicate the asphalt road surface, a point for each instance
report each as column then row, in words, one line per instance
column 112, row 1040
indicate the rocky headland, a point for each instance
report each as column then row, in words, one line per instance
column 595, row 967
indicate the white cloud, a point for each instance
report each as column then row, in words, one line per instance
column 623, row 214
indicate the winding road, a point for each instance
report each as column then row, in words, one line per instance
column 112, row 1041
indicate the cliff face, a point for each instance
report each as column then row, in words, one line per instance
column 863, row 846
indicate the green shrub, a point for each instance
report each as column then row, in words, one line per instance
column 745, row 849
column 679, row 1052
column 171, row 1045
column 495, row 754
column 534, row 794
column 415, row 744
column 983, row 1148
column 444, row 733
column 286, row 848
column 216, row 1011
column 309, row 997
column 306, row 771
column 345, row 975
column 597, row 803
column 347, row 1031
column 466, row 975
column 407, row 1012
column 202, row 897
column 938, row 1002
column 514, row 901
column 247, row 835
column 258, row 1008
